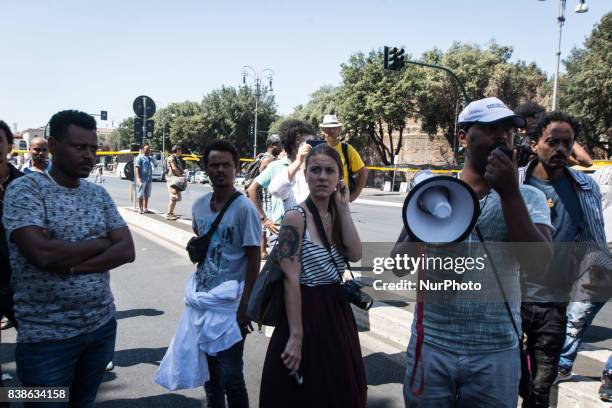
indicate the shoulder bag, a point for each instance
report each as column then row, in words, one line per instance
column 197, row 247
column 267, row 301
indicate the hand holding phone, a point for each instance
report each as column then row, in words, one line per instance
column 315, row 142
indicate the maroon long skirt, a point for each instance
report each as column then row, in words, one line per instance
column 332, row 365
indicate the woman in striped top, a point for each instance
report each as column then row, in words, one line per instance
column 314, row 357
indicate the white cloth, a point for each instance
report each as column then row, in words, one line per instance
column 208, row 325
column 291, row 192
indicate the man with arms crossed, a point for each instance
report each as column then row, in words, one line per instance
column 65, row 234
column 470, row 354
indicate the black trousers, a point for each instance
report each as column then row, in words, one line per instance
column 544, row 325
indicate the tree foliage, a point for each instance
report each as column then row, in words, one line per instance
column 121, row 137
column 484, row 72
column 376, row 103
column 586, row 88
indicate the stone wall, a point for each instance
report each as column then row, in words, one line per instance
column 420, row 148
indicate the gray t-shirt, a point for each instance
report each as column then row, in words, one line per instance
column 567, row 219
column 239, row 228
column 48, row 305
column 468, row 324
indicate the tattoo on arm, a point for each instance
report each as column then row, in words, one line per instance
column 287, row 244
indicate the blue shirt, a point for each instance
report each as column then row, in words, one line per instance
column 145, row 164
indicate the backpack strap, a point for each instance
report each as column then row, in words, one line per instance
column 346, row 159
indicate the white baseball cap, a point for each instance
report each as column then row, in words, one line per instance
column 489, row 110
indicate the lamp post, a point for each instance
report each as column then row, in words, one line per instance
column 581, row 7
column 267, row 74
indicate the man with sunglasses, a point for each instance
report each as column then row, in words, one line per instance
column 39, row 157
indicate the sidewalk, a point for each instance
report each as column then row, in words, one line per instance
column 391, row 324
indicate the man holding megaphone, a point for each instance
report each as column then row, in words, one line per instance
column 468, row 348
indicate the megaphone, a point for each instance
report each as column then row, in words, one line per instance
column 440, row 210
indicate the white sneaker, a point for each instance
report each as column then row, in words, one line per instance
column 110, row 366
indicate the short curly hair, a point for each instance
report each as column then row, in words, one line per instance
column 290, row 129
column 7, row 132
column 59, row 123
column 221, row 146
column 530, row 109
column 537, row 129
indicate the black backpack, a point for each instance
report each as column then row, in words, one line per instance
column 252, row 171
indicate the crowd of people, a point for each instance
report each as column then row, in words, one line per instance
column 57, row 254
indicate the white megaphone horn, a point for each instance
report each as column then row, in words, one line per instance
column 440, row 209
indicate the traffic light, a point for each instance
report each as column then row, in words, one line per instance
column 103, row 115
column 138, row 130
column 394, row 58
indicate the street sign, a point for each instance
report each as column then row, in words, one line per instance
column 103, row 115
column 144, row 106
column 23, row 145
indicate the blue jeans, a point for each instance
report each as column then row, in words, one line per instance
column 226, row 378
column 78, row 362
column 463, row 380
column 608, row 366
column 580, row 315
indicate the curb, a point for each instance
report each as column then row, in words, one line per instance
column 388, row 323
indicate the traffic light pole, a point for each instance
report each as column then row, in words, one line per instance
column 466, row 98
column 144, row 121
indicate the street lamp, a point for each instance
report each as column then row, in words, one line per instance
column 266, row 74
column 580, row 8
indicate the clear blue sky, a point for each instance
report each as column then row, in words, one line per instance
column 100, row 55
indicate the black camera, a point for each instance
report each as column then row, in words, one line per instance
column 351, row 292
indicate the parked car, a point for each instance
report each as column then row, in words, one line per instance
column 201, row 177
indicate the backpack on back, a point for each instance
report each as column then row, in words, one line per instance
column 252, row 171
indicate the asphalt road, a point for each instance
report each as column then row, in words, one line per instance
column 149, row 299
column 374, row 223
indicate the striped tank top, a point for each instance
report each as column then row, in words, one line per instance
column 318, row 268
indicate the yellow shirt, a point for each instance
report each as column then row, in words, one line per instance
column 354, row 160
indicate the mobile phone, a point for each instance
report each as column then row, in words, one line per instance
column 315, row 142
column 504, row 149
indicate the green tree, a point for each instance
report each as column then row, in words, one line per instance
column 229, row 113
column 376, row 104
column 586, row 89
column 121, row 137
column 323, row 101
column 165, row 118
column 484, row 72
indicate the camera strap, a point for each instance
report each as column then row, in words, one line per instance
column 321, row 230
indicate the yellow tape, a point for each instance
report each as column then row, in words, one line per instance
column 597, row 164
